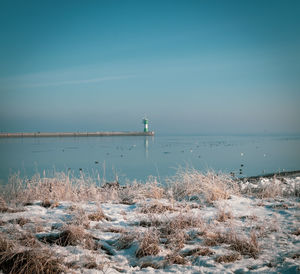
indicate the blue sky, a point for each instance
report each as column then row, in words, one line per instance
column 195, row 67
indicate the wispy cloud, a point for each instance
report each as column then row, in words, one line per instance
column 79, row 82
column 82, row 81
column 36, row 82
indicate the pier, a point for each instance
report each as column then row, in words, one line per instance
column 38, row 134
column 76, row 134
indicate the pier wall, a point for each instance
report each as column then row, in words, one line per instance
column 75, row 134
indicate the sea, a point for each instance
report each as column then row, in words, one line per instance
column 140, row 157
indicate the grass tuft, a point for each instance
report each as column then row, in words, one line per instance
column 32, row 261
column 154, row 265
column 97, row 216
column 71, row 235
column 156, row 208
column 125, row 240
column 28, row 261
column 90, row 263
column 228, row 258
column 21, row 221
column 199, row 251
column 3, row 205
column 224, row 215
column 191, row 184
column 180, row 221
column 29, row 240
column 47, row 203
column 149, row 244
column 5, row 244
column 175, row 258
column 176, row 239
column 242, row 244
column 10, row 210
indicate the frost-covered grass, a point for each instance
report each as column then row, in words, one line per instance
column 193, row 223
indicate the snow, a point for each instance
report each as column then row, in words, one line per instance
column 274, row 221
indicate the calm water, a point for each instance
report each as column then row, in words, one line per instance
column 139, row 157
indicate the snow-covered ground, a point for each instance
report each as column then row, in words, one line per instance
column 256, row 229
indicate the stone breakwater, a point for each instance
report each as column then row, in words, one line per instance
column 76, row 134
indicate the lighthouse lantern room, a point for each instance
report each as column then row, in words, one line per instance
column 145, row 122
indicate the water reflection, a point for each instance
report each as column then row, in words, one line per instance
column 146, row 146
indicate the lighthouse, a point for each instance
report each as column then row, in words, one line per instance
column 145, row 122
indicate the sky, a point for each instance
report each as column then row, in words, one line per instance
column 191, row 67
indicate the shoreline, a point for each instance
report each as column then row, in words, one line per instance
column 255, row 178
column 278, row 175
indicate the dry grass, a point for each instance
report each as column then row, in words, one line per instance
column 62, row 187
column 74, row 235
column 245, row 245
column 261, row 203
column 152, row 264
column 80, row 218
column 126, row 196
column 5, row 243
column 114, row 229
column 29, row 240
column 125, row 241
column 173, row 229
column 14, row 259
column 252, row 218
column 2, row 202
column 228, row 258
column 152, row 189
column 155, row 207
column 281, row 206
column 150, row 221
column 191, row 184
column 71, row 235
column 187, row 184
column 180, row 221
column 32, row 261
column 199, row 251
column 272, row 188
column 224, row 215
column 10, row 210
column 266, row 227
column 90, row 265
column 175, row 258
column 139, row 191
column 148, row 244
column 20, row 221
column 97, row 216
column 47, row 203
column 176, row 239
column 90, row 262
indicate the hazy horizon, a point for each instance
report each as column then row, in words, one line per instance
column 192, row 67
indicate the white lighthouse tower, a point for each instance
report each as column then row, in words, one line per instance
column 145, row 122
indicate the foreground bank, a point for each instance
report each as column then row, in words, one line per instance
column 195, row 223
